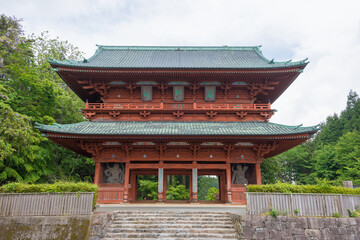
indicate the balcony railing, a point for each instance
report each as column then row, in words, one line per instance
column 176, row 106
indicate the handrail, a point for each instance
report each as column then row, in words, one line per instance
column 176, row 106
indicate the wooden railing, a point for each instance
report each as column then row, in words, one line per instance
column 176, row 106
column 302, row 204
column 45, row 204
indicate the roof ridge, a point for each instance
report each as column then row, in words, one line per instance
column 176, row 48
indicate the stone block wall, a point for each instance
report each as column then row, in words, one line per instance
column 99, row 223
column 44, row 227
column 285, row 227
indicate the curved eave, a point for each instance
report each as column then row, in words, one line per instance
column 70, row 75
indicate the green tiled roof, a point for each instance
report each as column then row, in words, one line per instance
column 153, row 128
column 178, row 57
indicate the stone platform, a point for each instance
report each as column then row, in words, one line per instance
column 178, row 207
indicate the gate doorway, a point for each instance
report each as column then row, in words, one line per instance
column 177, row 186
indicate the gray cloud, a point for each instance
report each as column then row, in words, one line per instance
column 325, row 31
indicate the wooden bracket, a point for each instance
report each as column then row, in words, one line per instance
column 228, row 148
column 256, row 88
column 161, row 147
column 195, row 86
column 267, row 115
column 131, row 86
column 262, row 149
column 114, row 114
column 163, row 86
column 92, row 148
column 144, row 114
column 194, row 147
column 241, row 114
column 178, row 114
column 226, row 87
column 211, row 114
column 88, row 114
column 127, row 147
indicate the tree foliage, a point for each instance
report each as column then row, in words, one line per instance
column 334, row 154
column 31, row 92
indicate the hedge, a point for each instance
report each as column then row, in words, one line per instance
column 57, row 187
column 291, row 188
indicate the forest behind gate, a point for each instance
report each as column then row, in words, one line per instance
column 30, row 91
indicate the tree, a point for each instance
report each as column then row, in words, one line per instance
column 347, row 157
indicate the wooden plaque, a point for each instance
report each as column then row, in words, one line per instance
column 210, row 92
column 178, row 93
column 146, row 93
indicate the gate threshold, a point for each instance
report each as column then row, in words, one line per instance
column 234, row 208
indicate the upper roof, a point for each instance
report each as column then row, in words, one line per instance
column 131, row 57
column 177, row 128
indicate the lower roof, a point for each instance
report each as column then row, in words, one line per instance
column 175, row 128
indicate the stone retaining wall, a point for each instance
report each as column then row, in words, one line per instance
column 99, row 222
column 44, row 227
column 284, row 227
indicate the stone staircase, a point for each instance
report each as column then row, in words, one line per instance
column 170, row 225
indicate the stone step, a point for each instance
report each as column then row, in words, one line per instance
column 171, row 215
column 171, row 235
column 171, row 230
column 169, row 212
column 163, row 238
column 166, row 218
column 171, row 225
column 179, row 221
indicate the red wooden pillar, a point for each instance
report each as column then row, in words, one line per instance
column 258, row 173
column 126, row 182
column 97, row 173
column 228, row 183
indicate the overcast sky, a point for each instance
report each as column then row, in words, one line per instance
column 327, row 32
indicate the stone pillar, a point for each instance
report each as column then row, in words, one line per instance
column 258, row 173
column 126, row 182
column 194, row 185
column 97, row 173
column 228, row 183
column 160, row 185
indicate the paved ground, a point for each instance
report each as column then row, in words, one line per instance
column 239, row 209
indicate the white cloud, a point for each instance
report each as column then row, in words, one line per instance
column 325, row 31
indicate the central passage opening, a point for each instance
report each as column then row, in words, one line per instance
column 208, row 188
column 177, row 188
column 147, row 187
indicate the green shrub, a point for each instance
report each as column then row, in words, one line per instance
column 336, row 215
column 291, row 188
column 296, row 211
column 57, row 187
column 274, row 212
column 212, row 193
